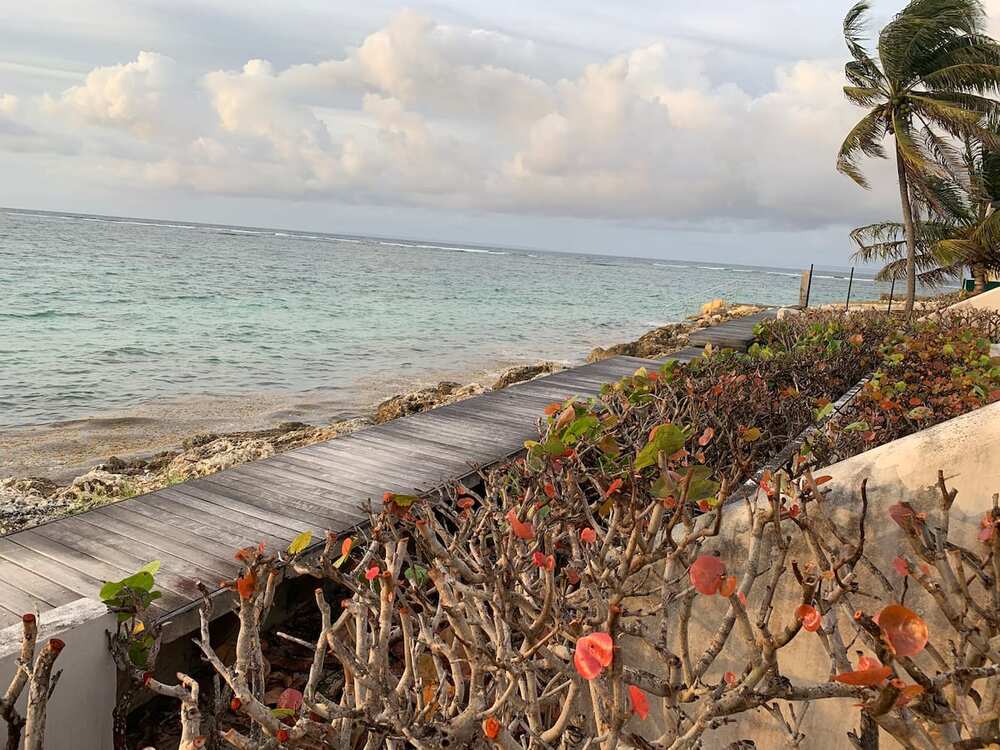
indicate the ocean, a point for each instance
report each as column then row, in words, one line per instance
column 102, row 315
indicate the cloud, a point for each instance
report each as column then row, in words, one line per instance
column 430, row 114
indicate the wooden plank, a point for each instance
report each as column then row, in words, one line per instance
column 41, row 589
column 325, row 509
column 317, row 471
column 421, row 450
column 200, row 512
column 169, row 541
column 337, row 503
column 176, row 575
column 250, row 504
column 376, row 450
column 272, row 533
column 303, row 470
column 8, row 618
column 95, row 564
column 67, row 576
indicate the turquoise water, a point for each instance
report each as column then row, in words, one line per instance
column 98, row 314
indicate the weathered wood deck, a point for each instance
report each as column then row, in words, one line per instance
column 194, row 527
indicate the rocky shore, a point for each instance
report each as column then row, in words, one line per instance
column 27, row 501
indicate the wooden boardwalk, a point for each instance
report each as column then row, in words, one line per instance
column 193, row 528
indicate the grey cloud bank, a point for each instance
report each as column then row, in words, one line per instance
column 708, row 131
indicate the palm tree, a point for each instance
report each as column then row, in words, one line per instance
column 924, row 86
column 967, row 236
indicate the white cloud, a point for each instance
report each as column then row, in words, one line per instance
column 431, row 114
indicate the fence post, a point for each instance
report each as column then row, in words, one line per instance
column 847, row 305
column 805, row 287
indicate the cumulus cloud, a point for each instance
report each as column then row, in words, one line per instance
column 422, row 113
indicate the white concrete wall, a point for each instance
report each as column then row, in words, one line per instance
column 966, row 448
column 79, row 713
column 986, row 301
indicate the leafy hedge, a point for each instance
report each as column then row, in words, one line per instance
column 936, row 370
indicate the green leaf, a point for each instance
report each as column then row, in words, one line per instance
column 416, row 574
column 110, row 590
column 405, row 501
column 580, row 426
column 300, row 543
column 554, row 447
column 667, row 438
column 141, row 581
column 862, row 426
column 700, row 487
column 824, row 412
column 151, row 567
column 282, row 713
column 921, row 412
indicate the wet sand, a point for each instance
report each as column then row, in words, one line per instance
column 61, row 451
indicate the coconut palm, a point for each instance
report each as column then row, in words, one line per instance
column 925, row 85
column 965, row 235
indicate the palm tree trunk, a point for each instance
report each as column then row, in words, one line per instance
column 978, row 278
column 911, row 240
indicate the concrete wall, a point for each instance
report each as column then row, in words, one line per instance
column 986, row 301
column 79, row 712
column 966, row 448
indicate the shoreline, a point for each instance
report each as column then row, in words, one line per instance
column 78, row 464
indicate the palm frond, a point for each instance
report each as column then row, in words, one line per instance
column 981, row 78
column 864, row 96
column 987, row 234
column 921, row 30
column 865, row 138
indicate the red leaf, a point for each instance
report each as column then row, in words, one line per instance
column 706, row 574
column 823, row 479
column 905, row 631
column 706, row 436
column 466, row 502
column 372, row 573
column 550, row 490
column 743, row 599
column 552, row 408
column 588, row 535
column 593, row 653
column 290, row 698
column 730, row 678
column 809, row 617
column 613, row 488
column 521, row 529
column 901, row 566
column 904, row 515
column 491, row 727
column 538, row 559
column 640, row 704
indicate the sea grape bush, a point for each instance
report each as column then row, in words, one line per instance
column 934, row 370
column 560, row 606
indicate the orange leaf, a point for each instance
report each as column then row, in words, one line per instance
column 345, row 548
column 372, row 573
column 730, row 678
column 907, row 694
column 588, row 535
column 905, row 631
column 552, row 408
column 823, row 479
column 706, row 574
column 809, row 617
column 521, row 529
column 550, row 490
column 728, row 587
column 567, row 416
column 246, row 585
column 870, row 672
column 904, row 515
column 491, row 727
column 640, row 704
column 706, row 436
column 613, row 488
column 593, row 653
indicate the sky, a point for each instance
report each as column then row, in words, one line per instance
column 678, row 129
